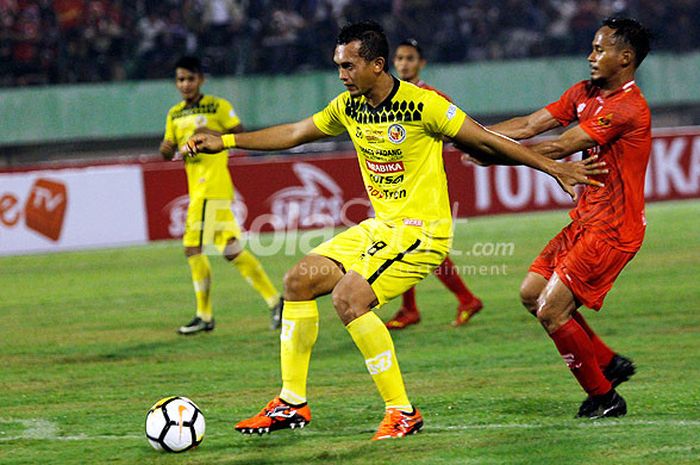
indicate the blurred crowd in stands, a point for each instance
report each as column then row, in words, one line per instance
column 69, row 41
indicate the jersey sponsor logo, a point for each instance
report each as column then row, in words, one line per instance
column 380, row 363
column 390, row 154
column 396, row 133
column 391, row 179
column 451, row 112
column 374, row 136
column 384, row 167
column 373, row 191
column 198, row 110
column 412, row 222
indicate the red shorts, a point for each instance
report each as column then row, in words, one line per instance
column 584, row 262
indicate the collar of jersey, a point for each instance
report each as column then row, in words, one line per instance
column 195, row 104
column 623, row 88
column 387, row 101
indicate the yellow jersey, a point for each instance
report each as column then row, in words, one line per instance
column 207, row 174
column 399, row 149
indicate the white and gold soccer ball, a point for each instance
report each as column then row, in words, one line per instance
column 174, row 424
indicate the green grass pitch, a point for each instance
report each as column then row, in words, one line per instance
column 88, row 343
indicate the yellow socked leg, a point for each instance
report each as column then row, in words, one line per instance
column 251, row 269
column 201, row 278
column 298, row 336
column 373, row 340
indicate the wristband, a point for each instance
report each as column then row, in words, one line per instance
column 229, row 141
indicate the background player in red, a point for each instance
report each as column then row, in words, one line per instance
column 578, row 267
column 408, row 62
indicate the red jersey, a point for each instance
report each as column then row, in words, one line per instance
column 423, row 85
column 620, row 123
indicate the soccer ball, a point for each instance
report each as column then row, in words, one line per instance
column 174, row 424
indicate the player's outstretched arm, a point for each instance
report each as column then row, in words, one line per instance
column 571, row 141
column 279, row 137
column 518, row 128
column 525, row 127
column 233, row 130
column 480, row 140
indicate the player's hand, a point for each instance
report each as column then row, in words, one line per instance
column 203, row 143
column 569, row 174
column 168, row 149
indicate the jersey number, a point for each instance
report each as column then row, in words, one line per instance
column 376, row 247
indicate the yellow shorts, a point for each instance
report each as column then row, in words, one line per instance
column 393, row 258
column 210, row 223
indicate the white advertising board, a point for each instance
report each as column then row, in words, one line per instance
column 52, row 210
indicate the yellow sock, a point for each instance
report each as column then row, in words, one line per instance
column 251, row 269
column 201, row 278
column 373, row 340
column 298, row 336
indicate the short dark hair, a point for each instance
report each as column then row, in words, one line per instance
column 412, row 43
column 631, row 33
column 373, row 42
column 190, row 63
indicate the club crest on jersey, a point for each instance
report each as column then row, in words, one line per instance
column 200, row 121
column 605, row 121
column 396, row 133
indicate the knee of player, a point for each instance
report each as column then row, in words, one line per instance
column 231, row 256
column 192, row 251
column 547, row 315
column 529, row 298
column 295, row 283
column 341, row 298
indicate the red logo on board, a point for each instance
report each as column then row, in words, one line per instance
column 45, row 209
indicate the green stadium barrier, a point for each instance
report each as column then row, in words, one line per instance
column 137, row 109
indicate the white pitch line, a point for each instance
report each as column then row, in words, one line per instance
column 604, row 423
column 45, row 430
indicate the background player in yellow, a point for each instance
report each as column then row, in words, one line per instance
column 397, row 130
column 210, row 225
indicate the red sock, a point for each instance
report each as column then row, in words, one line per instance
column 576, row 348
column 409, row 300
column 603, row 353
column 447, row 273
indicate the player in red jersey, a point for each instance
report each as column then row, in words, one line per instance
column 409, row 61
column 578, row 267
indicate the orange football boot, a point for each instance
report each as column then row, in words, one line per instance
column 277, row 414
column 397, row 424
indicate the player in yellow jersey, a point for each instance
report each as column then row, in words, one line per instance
column 210, row 226
column 397, row 130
